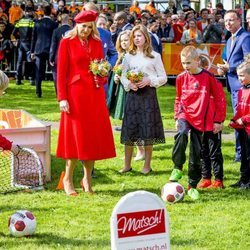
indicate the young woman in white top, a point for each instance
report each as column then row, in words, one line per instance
column 142, row 123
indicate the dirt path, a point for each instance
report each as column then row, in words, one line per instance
column 168, row 133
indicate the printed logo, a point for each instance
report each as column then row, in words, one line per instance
column 141, row 223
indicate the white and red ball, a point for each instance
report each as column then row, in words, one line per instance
column 172, row 192
column 22, row 223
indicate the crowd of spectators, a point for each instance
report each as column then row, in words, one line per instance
column 174, row 25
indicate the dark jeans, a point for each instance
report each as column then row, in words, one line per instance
column 54, row 73
column 211, row 156
column 23, row 55
column 179, row 151
column 234, row 101
column 245, row 156
column 41, row 62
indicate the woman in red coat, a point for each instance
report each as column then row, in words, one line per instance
column 85, row 131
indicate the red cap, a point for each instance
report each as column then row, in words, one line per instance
column 86, row 16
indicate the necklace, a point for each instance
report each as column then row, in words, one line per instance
column 85, row 43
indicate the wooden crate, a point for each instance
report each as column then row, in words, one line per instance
column 25, row 130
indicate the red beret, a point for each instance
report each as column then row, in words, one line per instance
column 86, row 16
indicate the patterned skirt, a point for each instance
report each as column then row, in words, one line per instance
column 142, row 123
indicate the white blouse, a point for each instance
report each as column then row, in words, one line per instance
column 152, row 68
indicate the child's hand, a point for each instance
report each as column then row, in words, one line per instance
column 176, row 125
column 239, row 121
column 217, row 128
column 116, row 78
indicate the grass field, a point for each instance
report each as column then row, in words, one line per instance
column 219, row 220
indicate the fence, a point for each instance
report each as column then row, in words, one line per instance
column 211, row 53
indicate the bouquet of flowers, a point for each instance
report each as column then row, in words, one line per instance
column 118, row 69
column 134, row 75
column 99, row 68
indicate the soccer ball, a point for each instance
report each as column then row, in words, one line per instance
column 22, row 223
column 172, row 192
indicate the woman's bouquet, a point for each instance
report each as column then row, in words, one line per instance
column 134, row 75
column 99, row 68
column 118, row 69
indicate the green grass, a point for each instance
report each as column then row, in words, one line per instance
column 219, row 220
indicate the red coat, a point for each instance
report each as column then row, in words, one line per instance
column 5, row 144
column 243, row 110
column 220, row 113
column 85, row 133
column 193, row 93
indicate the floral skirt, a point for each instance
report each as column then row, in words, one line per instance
column 142, row 123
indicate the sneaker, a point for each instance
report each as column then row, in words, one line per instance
column 19, row 82
column 217, row 184
column 245, row 186
column 193, row 194
column 175, row 175
column 204, row 183
column 237, row 159
column 237, row 184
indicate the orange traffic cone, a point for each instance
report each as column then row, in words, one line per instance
column 60, row 183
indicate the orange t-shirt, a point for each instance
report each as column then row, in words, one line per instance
column 193, row 33
column 135, row 9
column 15, row 13
column 151, row 9
column 39, row 12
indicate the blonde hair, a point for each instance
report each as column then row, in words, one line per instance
column 4, row 80
column 147, row 50
column 91, row 6
column 244, row 67
column 190, row 52
column 94, row 33
column 118, row 46
column 247, row 57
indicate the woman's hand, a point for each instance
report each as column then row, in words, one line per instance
column 64, row 106
column 133, row 86
column 116, row 79
column 145, row 82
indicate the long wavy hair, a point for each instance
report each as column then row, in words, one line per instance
column 119, row 49
column 94, row 33
column 147, row 50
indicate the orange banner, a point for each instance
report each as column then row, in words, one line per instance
column 211, row 55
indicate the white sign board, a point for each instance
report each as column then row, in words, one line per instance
column 140, row 221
